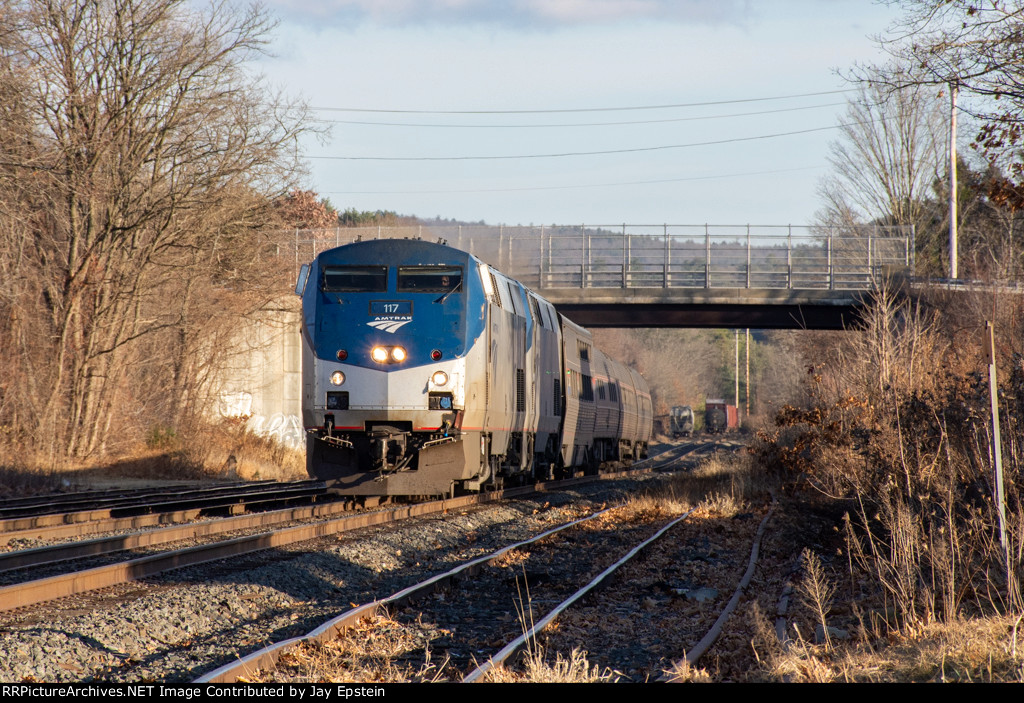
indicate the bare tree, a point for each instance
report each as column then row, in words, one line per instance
column 889, row 155
column 149, row 147
column 978, row 47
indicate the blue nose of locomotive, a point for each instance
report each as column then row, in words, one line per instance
column 411, row 310
column 388, row 326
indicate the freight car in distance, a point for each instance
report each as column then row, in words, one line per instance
column 720, row 417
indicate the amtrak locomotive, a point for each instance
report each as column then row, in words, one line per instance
column 426, row 372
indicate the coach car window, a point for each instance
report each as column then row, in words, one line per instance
column 360, row 279
column 587, row 388
column 429, row 279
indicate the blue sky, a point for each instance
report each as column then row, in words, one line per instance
column 400, row 64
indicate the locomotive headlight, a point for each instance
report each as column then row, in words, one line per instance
column 398, row 354
column 379, row 354
column 337, row 378
column 439, row 378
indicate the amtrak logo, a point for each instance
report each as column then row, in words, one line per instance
column 389, row 324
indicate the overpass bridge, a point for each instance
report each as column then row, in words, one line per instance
column 756, row 276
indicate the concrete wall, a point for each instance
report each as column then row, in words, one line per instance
column 262, row 377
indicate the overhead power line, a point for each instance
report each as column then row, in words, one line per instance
column 570, row 187
column 579, row 109
column 732, row 140
column 580, row 124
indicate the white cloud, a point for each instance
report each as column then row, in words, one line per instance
column 600, row 11
column 536, row 14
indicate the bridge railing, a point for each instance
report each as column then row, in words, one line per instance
column 661, row 256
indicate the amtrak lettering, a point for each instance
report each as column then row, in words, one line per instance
column 390, row 323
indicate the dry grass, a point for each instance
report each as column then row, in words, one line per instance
column 978, row 650
column 255, row 458
column 722, row 485
column 652, row 506
column 899, row 437
column 375, row 651
column 720, row 505
column 816, row 592
column 536, row 668
column 19, row 481
column 226, row 449
column 684, row 672
column 378, row 651
column 218, row 451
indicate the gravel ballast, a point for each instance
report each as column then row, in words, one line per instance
column 193, row 620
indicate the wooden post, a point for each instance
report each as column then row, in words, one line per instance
column 997, row 448
column 746, row 394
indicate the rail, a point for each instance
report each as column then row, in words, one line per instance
column 659, row 256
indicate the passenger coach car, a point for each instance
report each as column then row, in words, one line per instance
column 426, row 371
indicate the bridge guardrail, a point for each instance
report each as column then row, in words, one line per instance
column 662, row 256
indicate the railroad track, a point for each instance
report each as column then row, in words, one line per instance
column 22, row 588
column 79, row 514
column 465, row 615
column 686, row 451
column 226, row 574
column 68, row 502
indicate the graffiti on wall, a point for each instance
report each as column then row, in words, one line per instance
column 285, row 429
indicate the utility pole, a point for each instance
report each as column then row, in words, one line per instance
column 746, row 412
column 953, row 88
column 737, row 369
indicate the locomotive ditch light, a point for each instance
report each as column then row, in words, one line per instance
column 398, row 354
column 337, row 378
column 379, row 354
column 439, row 378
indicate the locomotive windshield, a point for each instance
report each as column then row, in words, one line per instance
column 360, row 279
column 429, row 279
